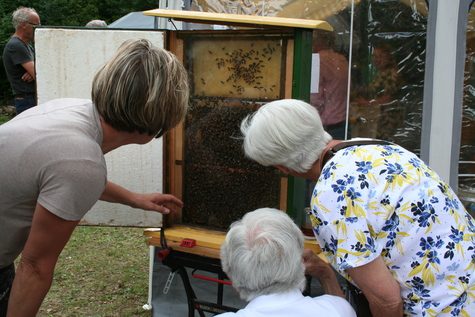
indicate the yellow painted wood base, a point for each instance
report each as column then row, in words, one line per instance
column 208, row 242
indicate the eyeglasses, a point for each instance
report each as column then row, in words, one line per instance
column 34, row 24
column 159, row 134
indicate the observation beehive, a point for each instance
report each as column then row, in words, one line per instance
column 232, row 72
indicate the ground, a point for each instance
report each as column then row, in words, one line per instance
column 103, row 271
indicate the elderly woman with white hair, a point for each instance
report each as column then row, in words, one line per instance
column 262, row 255
column 383, row 218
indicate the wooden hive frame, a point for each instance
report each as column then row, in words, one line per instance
column 297, row 70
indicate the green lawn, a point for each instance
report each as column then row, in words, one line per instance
column 103, row 271
column 3, row 118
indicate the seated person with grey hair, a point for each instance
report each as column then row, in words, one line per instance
column 262, row 255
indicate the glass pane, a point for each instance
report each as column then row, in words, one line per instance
column 467, row 148
column 231, row 77
column 387, row 62
column 330, row 70
column 296, row 9
column 388, row 71
column 385, row 68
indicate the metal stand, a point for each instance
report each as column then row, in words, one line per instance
column 148, row 305
column 178, row 261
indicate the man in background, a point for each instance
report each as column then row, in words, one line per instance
column 96, row 24
column 331, row 98
column 19, row 58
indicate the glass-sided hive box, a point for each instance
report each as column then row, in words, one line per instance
column 232, row 73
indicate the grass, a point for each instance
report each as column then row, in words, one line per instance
column 4, row 118
column 103, row 271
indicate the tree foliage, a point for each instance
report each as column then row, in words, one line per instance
column 63, row 13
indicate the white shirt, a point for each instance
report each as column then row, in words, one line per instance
column 295, row 304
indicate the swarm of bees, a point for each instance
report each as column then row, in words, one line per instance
column 220, row 184
column 244, row 67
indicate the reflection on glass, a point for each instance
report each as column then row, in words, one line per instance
column 376, row 110
column 387, row 60
column 467, row 148
column 388, row 71
column 387, row 68
column 331, row 69
column 297, row 9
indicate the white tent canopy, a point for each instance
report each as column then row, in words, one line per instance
column 135, row 20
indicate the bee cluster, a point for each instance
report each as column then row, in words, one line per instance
column 212, row 131
column 216, row 201
column 240, row 69
column 220, row 184
column 231, row 78
column 245, row 66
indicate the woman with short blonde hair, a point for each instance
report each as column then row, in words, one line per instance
column 139, row 94
column 141, row 89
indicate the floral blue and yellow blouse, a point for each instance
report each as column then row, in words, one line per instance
column 383, row 200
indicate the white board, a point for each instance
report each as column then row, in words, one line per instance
column 315, row 74
column 66, row 61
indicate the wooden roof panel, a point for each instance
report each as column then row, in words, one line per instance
column 239, row 19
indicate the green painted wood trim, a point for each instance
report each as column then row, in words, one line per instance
column 302, row 65
column 300, row 90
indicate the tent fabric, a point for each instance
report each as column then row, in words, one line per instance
column 134, row 20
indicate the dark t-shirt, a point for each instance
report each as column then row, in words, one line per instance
column 16, row 52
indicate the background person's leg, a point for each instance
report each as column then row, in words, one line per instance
column 24, row 103
column 7, row 275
